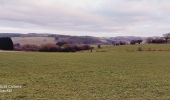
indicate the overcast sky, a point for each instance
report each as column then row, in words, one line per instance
column 86, row 17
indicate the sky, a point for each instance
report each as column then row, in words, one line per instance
column 103, row 18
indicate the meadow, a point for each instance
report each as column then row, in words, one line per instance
column 109, row 73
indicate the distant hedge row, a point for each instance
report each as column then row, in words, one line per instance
column 52, row 48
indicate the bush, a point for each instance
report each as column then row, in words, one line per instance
column 139, row 49
column 84, row 47
column 61, row 43
column 117, row 43
column 49, row 48
column 17, row 46
column 99, row 46
column 52, row 48
column 74, row 48
column 69, row 48
column 64, row 48
column 28, row 47
column 159, row 41
column 133, row 42
column 156, row 40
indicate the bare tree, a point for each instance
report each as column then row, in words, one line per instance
column 167, row 37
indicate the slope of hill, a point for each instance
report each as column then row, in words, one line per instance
column 67, row 38
column 125, row 38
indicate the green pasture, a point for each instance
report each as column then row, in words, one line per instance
column 109, row 73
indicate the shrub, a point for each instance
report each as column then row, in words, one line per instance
column 84, row 47
column 17, row 46
column 69, row 48
column 133, row 42
column 63, row 48
column 122, row 43
column 49, row 48
column 28, row 47
column 52, row 48
column 139, row 49
column 61, row 43
column 99, row 46
column 156, row 40
column 74, row 48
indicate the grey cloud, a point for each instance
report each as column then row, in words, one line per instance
column 112, row 17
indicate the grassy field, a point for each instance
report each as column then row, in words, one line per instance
column 110, row 73
column 34, row 40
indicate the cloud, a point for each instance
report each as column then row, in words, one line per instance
column 86, row 17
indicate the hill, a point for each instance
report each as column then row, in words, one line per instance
column 67, row 38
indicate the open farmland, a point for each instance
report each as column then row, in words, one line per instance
column 33, row 40
column 110, row 73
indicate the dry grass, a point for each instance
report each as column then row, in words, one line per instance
column 33, row 40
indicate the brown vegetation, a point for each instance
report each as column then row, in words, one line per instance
column 52, row 48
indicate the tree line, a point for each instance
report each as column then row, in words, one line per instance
column 159, row 40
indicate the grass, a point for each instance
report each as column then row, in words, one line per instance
column 110, row 73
